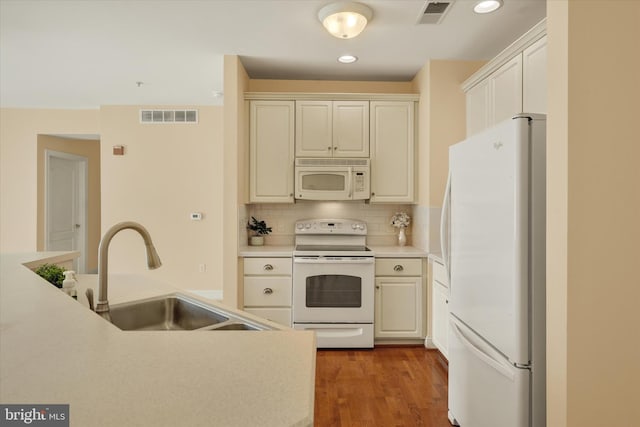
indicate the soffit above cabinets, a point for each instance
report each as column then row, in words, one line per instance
column 295, row 96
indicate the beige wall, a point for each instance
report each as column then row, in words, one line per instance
column 593, row 287
column 167, row 172
column 85, row 148
column 19, row 130
column 236, row 172
column 442, row 122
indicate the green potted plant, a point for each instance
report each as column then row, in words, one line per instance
column 52, row 273
column 259, row 230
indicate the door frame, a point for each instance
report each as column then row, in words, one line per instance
column 80, row 264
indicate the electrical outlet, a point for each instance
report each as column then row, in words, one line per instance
column 202, row 268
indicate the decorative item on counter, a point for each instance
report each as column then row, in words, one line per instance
column 401, row 220
column 52, row 273
column 259, row 229
column 69, row 284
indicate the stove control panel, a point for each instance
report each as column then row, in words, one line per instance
column 331, row 226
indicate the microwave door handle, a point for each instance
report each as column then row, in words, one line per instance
column 349, row 182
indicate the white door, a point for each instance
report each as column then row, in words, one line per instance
column 65, row 205
column 489, row 236
column 485, row 390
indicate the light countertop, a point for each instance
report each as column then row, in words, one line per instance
column 378, row 250
column 54, row 350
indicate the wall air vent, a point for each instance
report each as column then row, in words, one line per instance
column 434, row 11
column 168, row 116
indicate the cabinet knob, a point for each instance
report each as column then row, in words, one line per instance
column 329, row 148
column 335, row 148
column 398, row 267
column 377, row 286
column 290, row 194
column 268, row 267
column 267, row 291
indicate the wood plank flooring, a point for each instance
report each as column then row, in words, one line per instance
column 386, row 386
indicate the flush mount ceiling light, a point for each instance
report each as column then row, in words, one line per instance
column 487, row 6
column 345, row 20
column 347, row 59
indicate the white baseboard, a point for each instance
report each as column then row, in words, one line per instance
column 428, row 343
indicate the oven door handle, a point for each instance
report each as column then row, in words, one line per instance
column 321, row 260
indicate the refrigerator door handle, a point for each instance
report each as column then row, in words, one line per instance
column 444, row 229
column 503, row 368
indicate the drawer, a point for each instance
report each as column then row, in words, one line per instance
column 278, row 315
column 267, row 291
column 440, row 274
column 268, row 266
column 398, row 266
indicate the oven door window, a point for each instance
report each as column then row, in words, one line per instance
column 323, row 182
column 333, row 290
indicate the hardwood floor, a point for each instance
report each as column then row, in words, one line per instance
column 386, row 386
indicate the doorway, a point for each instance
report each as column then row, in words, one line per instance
column 65, row 225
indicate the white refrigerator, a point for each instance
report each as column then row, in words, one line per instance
column 493, row 245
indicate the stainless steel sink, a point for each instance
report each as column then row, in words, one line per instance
column 233, row 326
column 176, row 312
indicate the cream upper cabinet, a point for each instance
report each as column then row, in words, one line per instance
column 392, row 151
column 513, row 82
column 506, row 91
column 534, row 77
column 496, row 98
column 478, row 107
column 271, row 151
column 399, row 302
column 332, row 129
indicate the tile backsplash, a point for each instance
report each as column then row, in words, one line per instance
column 282, row 217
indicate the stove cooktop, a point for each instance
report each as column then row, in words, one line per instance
column 331, row 248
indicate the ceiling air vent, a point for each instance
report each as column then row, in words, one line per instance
column 168, row 116
column 434, row 11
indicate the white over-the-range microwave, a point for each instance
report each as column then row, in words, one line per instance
column 332, row 179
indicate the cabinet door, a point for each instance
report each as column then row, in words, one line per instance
column 534, row 77
column 351, row 128
column 398, row 307
column 271, row 141
column 314, row 124
column 392, row 151
column 507, row 90
column 478, row 107
column 440, row 313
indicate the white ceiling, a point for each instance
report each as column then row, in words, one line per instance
column 87, row 53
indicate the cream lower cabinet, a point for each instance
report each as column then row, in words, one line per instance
column 392, row 151
column 267, row 288
column 271, row 151
column 440, row 308
column 399, row 299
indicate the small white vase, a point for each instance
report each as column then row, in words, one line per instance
column 256, row 240
column 402, row 237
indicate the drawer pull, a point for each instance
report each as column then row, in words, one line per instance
column 398, row 267
column 267, row 291
column 268, row 267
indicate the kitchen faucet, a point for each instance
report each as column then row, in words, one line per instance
column 153, row 261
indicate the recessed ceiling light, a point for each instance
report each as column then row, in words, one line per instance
column 347, row 59
column 487, row 6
